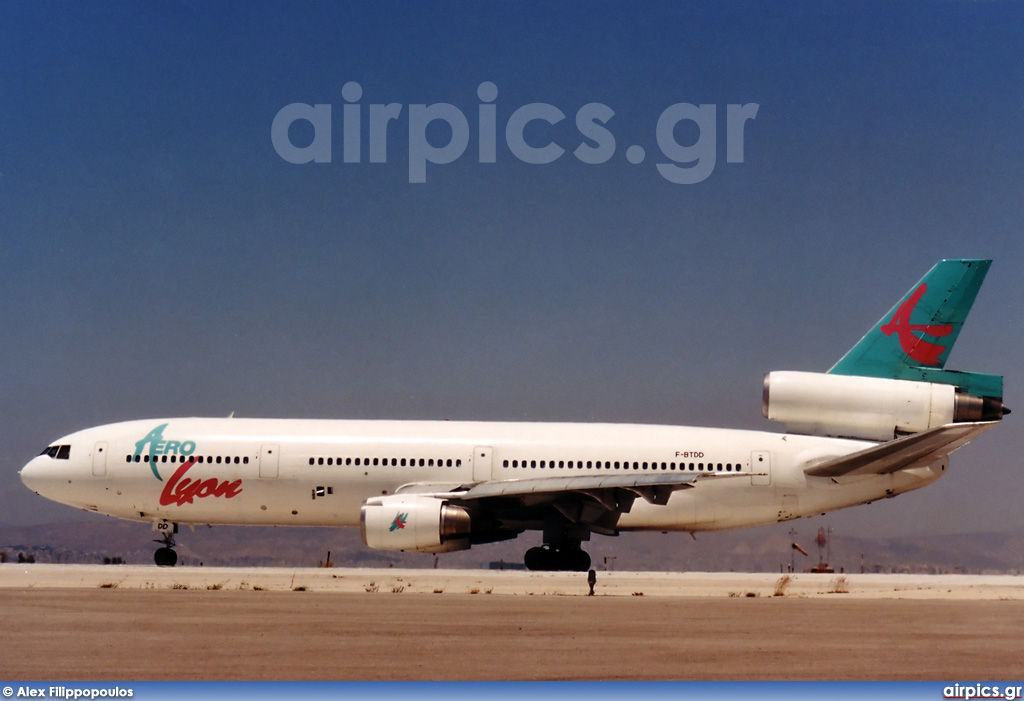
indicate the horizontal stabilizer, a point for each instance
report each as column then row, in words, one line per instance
column 909, row 451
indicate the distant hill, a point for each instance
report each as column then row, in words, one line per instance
column 765, row 549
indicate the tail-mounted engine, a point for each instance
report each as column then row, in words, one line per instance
column 869, row 407
column 417, row 523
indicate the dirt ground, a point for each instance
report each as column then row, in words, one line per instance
column 114, row 634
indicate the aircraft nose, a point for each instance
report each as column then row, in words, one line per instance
column 33, row 476
column 49, row 478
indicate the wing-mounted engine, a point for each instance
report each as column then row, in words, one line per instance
column 869, row 408
column 417, row 523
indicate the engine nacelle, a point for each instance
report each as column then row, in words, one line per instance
column 411, row 522
column 870, row 408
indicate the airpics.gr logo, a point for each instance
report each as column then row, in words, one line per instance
column 537, row 133
column 158, row 446
column 913, row 345
column 399, row 522
column 181, row 490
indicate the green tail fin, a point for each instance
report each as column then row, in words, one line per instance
column 913, row 340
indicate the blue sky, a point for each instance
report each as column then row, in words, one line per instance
column 159, row 258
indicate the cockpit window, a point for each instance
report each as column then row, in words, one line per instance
column 60, row 452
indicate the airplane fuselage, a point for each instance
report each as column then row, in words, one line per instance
column 320, row 472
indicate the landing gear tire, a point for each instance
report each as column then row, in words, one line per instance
column 577, row 560
column 537, row 559
column 165, row 557
column 557, row 559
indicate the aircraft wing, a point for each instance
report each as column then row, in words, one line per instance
column 592, row 501
column 910, row 451
column 654, row 488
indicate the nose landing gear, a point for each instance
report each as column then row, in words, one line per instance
column 165, row 556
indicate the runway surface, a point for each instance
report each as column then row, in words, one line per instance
column 130, row 623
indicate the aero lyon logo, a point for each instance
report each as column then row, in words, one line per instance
column 158, row 446
column 182, row 490
column 920, row 350
column 179, row 489
column 399, row 522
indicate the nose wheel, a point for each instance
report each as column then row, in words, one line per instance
column 165, row 556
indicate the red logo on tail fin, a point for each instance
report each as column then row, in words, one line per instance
column 912, row 344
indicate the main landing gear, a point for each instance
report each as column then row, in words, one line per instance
column 561, row 551
column 165, row 556
column 568, row 558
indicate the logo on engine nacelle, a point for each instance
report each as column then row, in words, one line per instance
column 913, row 345
column 399, row 521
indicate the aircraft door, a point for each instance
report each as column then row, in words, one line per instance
column 482, row 463
column 269, row 461
column 99, row 459
column 761, row 467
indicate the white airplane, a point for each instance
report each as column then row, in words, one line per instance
column 881, row 422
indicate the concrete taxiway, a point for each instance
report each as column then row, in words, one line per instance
column 126, row 623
